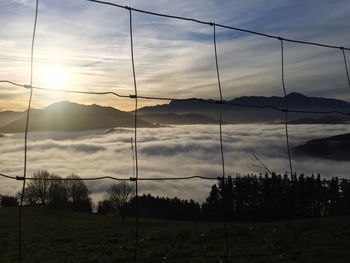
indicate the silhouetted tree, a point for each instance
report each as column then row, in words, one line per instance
column 37, row 190
column 276, row 197
column 29, row 196
column 8, row 201
column 119, row 194
column 162, row 208
column 58, row 197
column 48, row 190
column 105, row 207
column 213, row 206
column 78, row 194
column 345, row 190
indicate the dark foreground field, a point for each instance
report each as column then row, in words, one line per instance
column 57, row 236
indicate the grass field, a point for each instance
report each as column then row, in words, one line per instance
column 58, row 236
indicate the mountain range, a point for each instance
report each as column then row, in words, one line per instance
column 69, row 116
column 243, row 114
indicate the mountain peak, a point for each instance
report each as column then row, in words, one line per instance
column 71, row 116
column 62, row 104
column 69, row 106
column 296, row 95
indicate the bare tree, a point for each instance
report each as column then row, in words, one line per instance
column 121, row 193
column 48, row 190
column 37, row 190
column 29, row 196
column 76, row 189
column 57, row 193
column 78, row 194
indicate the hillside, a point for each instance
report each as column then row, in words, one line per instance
column 7, row 117
column 335, row 148
column 177, row 119
column 57, row 236
column 68, row 116
column 240, row 114
column 323, row 120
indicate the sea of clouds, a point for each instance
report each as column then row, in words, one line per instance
column 165, row 152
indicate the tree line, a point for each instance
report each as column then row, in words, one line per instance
column 242, row 198
column 48, row 190
column 276, row 197
column 149, row 206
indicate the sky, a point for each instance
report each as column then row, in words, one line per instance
column 179, row 151
column 86, row 46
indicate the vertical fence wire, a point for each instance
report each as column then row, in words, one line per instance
column 287, row 142
column 221, row 142
column 199, row 237
column 135, row 138
column 20, row 244
column 286, row 108
column 133, row 157
column 346, row 66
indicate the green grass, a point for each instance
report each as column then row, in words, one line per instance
column 56, row 236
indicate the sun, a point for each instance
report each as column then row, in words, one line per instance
column 54, row 76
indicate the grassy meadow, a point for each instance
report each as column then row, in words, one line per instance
column 60, row 236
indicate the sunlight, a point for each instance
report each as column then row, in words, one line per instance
column 54, row 76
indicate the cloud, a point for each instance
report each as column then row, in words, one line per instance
column 166, row 152
column 173, row 58
column 72, row 147
column 93, row 42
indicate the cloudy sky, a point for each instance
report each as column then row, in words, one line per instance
column 85, row 46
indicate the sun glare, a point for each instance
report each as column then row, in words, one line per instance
column 54, row 76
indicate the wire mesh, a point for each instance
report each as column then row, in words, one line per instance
column 221, row 102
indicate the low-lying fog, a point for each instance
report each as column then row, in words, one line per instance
column 163, row 152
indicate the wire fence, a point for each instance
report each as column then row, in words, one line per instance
column 221, row 102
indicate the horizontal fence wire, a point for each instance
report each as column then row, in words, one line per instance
column 209, row 101
column 220, row 25
column 132, row 179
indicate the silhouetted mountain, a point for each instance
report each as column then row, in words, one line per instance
column 322, row 120
column 295, row 101
column 241, row 114
column 7, row 117
column 177, row 119
column 335, row 147
column 118, row 130
column 68, row 116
